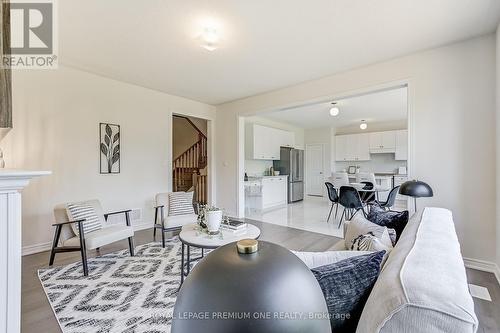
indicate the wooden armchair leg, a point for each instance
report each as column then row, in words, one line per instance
column 83, row 250
column 154, row 225
column 57, row 234
column 131, row 246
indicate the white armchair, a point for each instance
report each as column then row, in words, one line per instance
column 67, row 240
column 164, row 221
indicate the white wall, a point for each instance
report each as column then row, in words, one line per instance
column 259, row 167
column 56, row 119
column 452, row 101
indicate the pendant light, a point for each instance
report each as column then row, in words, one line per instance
column 363, row 125
column 334, row 111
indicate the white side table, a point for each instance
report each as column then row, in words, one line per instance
column 191, row 237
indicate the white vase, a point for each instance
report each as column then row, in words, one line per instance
column 214, row 219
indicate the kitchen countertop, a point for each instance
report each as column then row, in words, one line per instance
column 252, row 179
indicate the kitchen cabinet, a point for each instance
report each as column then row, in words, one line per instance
column 274, row 191
column 263, row 143
column 286, row 138
column 352, row 147
column 383, row 142
column 363, row 147
column 340, row 146
column 401, row 145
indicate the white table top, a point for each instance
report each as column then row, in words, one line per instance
column 191, row 236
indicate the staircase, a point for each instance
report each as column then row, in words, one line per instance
column 188, row 168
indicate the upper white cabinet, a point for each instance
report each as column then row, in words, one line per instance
column 352, row 147
column 401, row 145
column 383, row 142
column 263, row 143
column 286, row 138
column 358, row 147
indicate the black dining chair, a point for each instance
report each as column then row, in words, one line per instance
column 349, row 198
column 334, row 199
column 391, row 199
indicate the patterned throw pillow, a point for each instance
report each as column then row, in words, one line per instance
column 368, row 242
column 361, row 226
column 346, row 286
column 392, row 235
column 79, row 211
column 180, row 203
column 393, row 220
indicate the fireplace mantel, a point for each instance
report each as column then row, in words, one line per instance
column 11, row 184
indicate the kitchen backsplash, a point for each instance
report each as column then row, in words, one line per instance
column 378, row 163
column 255, row 168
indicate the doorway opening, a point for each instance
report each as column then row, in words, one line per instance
column 190, row 156
column 364, row 132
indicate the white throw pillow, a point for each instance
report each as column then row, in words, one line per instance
column 317, row 259
column 180, row 203
column 368, row 242
column 79, row 211
column 359, row 225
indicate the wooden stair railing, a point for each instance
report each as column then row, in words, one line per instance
column 187, row 166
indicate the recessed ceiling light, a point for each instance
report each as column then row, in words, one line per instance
column 334, row 111
column 363, row 125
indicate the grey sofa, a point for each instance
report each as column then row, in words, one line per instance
column 422, row 287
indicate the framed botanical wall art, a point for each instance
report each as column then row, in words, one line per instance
column 109, row 138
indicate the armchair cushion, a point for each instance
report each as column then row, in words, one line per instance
column 103, row 236
column 180, row 220
column 86, row 211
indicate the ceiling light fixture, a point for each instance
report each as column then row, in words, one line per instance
column 334, row 111
column 363, row 125
column 209, row 37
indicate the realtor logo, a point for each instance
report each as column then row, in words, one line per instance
column 32, row 35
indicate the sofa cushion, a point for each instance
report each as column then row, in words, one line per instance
column 316, row 259
column 358, row 226
column 389, row 219
column 423, row 286
column 346, row 285
column 368, row 242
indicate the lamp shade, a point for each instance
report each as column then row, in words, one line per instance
column 270, row 290
column 416, row 189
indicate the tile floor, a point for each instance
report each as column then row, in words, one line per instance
column 309, row 215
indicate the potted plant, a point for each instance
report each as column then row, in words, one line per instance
column 210, row 217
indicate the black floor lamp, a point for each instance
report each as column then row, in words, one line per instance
column 416, row 189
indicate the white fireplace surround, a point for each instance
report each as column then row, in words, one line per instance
column 11, row 184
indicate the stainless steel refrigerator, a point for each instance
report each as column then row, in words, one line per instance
column 291, row 163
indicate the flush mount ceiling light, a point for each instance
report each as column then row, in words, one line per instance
column 363, row 125
column 209, row 33
column 334, row 111
column 209, row 38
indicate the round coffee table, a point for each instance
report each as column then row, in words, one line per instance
column 191, row 237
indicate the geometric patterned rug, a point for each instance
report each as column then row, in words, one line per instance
column 121, row 294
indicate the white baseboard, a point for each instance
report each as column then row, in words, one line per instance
column 485, row 266
column 42, row 247
column 36, row 248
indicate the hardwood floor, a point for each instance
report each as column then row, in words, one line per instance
column 37, row 314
